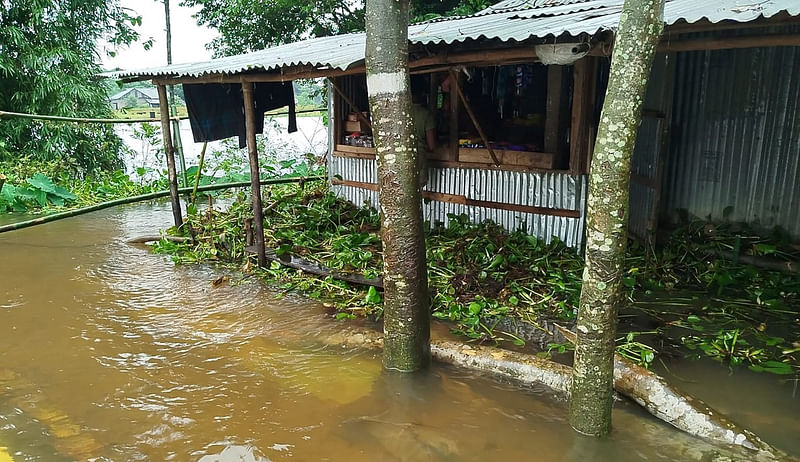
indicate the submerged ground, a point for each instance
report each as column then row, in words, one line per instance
column 110, row 351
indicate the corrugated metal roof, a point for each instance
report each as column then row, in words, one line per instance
column 510, row 20
column 336, row 52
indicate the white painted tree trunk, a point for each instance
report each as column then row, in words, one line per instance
column 406, row 307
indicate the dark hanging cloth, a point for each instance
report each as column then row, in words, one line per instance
column 216, row 110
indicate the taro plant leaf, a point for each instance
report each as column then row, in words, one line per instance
column 8, row 194
column 63, row 193
column 42, row 182
column 40, row 196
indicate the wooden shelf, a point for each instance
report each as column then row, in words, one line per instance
column 468, row 158
column 530, row 159
column 358, row 152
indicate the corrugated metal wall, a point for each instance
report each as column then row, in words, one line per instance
column 552, row 190
column 735, row 143
column 647, row 154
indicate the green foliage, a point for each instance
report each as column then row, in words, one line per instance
column 479, row 273
column 744, row 315
column 38, row 191
column 48, row 66
column 42, row 186
column 424, row 11
column 248, row 26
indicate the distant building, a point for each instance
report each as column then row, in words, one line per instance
column 135, row 97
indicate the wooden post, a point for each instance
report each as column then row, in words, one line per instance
column 163, row 106
column 473, row 118
column 552, row 121
column 582, row 131
column 255, row 179
column 454, row 107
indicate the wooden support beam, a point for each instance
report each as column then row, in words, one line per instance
column 730, row 43
column 169, row 152
column 552, row 119
column 255, row 178
column 275, row 76
column 463, row 200
column 352, row 105
column 457, row 86
column 452, row 132
column 582, row 125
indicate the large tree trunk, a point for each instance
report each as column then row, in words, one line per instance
column 640, row 26
column 406, row 309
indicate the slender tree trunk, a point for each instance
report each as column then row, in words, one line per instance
column 172, row 176
column 176, row 125
column 640, row 26
column 406, row 307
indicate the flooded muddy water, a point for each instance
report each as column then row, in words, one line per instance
column 108, row 352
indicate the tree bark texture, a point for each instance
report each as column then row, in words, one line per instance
column 170, row 154
column 255, row 172
column 406, row 306
column 640, row 26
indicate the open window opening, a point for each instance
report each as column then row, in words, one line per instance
column 516, row 116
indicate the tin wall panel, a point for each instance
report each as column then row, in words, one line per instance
column 553, row 190
column 735, row 149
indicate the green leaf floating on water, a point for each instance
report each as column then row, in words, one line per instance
column 773, row 367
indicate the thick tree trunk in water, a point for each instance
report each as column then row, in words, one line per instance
column 641, row 23
column 406, row 311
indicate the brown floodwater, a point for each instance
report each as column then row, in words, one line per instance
column 109, row 352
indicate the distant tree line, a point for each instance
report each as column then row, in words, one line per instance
column 245, row 25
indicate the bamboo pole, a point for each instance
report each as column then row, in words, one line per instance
column 255, row 183
column 193, row 197
column 89, row 120
column 144, row 197
column 169, row 153
column 454, row 82
column 24, row 115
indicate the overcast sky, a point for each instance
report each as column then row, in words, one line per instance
column 188, row 39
